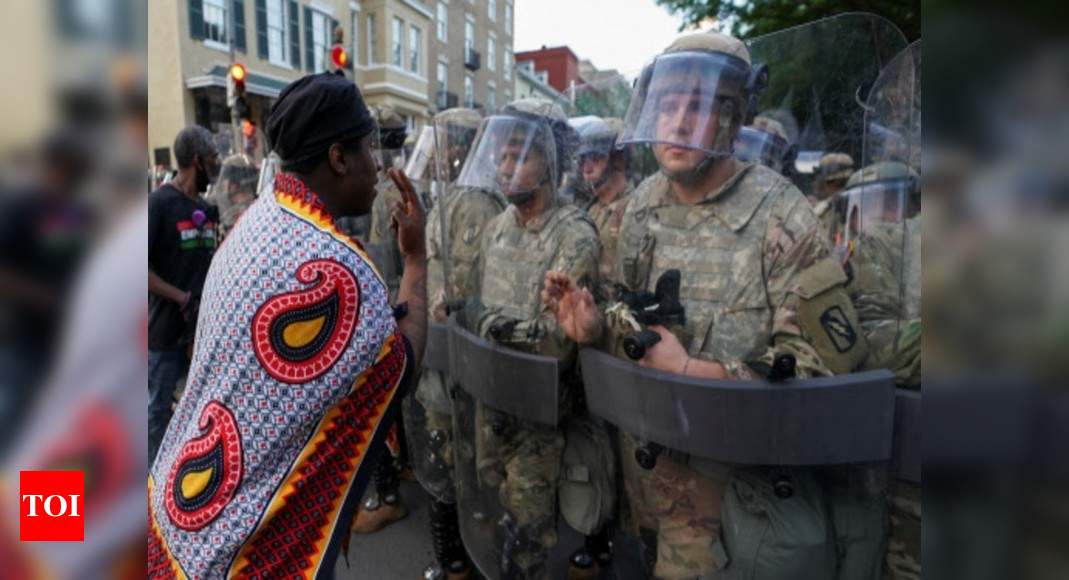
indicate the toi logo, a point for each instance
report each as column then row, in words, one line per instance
column 51, row 506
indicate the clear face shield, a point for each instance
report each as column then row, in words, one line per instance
column 686, row 106
column 754, row 145
column 515, row 155
column 874, row 203
column 236, row 189
column 388, row 149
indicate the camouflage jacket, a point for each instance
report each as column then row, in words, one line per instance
column 382, row 239
column 829, row 219
column 467, row 212
column 513, row 263
column 757, row 279
column 607, row 218
column 886, row 289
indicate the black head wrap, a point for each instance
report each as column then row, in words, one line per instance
column 314, row 112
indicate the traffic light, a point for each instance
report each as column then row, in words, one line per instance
column 339, row 59
column 235, row 91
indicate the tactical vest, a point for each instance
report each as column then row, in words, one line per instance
column 517, row 258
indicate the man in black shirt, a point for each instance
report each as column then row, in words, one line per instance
column 181, row 242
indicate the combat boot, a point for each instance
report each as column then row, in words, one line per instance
column 385, row 506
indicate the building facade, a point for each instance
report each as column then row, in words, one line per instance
column 416, row 56
column 559, row 63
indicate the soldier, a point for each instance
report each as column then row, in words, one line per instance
column 831, row 175
column 764, row 141
column 757, row 282
column 454, row 232
column 604, row 170
column 886, row 290
column 384, row 505
column 235, row 191
column 508, row 465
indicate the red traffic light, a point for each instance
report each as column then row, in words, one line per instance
column 237, row 72
column 339, row 57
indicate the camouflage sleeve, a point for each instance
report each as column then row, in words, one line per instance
column 578, row 256
column 380, row 231
column 874, row 287
column 792, row 245
column 468, row 220
column 435, row 269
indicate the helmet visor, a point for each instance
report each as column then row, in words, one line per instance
column 688, row 100
column 513, row 155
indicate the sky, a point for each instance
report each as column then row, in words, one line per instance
column 620, row 34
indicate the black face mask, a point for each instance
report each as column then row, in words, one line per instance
column 520, row 198
column 203, row 179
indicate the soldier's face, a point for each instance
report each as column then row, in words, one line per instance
column 520, row 169
column 686, row 121
column 593, row 167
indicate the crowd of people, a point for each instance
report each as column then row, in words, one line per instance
column 299, row 321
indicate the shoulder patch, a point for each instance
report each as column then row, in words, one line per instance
column 838, row 328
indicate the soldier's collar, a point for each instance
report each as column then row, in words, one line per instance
column 726, row 202
column 537, row 223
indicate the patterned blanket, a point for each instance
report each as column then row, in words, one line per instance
column 295, row 378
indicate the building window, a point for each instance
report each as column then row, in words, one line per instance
column 469, row 91
column 277, row 32
column 322, row 35
column 491, row 53
column 443, row 84
column 507, row 64
column 508, row 18
column 491, row 10
column 372, row 41
column 443, row 21
column 396, row 39
column 491, row 98
column 469, row 37
column 356, row 38
column 215, row 25
column 415, row 41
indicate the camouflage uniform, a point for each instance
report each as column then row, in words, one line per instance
column 757, row 281
column 468, row 211
column 382, row 239
column 523, row 459
column 832, row 167
column 891, row 321
column 607, row 218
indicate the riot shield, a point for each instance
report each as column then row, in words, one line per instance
column 456, row 216
column 235, row 190
column 886, row 258
column 506, row 355
column 819, row 75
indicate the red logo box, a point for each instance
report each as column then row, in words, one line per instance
column 51, row 506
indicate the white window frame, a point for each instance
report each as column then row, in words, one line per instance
column 469, row 40
column 508, row 17
column 508, row 64
column 491, row 52
column 397, row 42
column 415, row 49
column 469, row 90
column 354, row 17
column 442, row 21
column 491, row 89
column 283, row 58
column 321, row 23
column 442, row 77
column 491, row 10
column 221, row 43
column 372, row 38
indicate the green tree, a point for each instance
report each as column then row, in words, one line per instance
column 749, row 18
